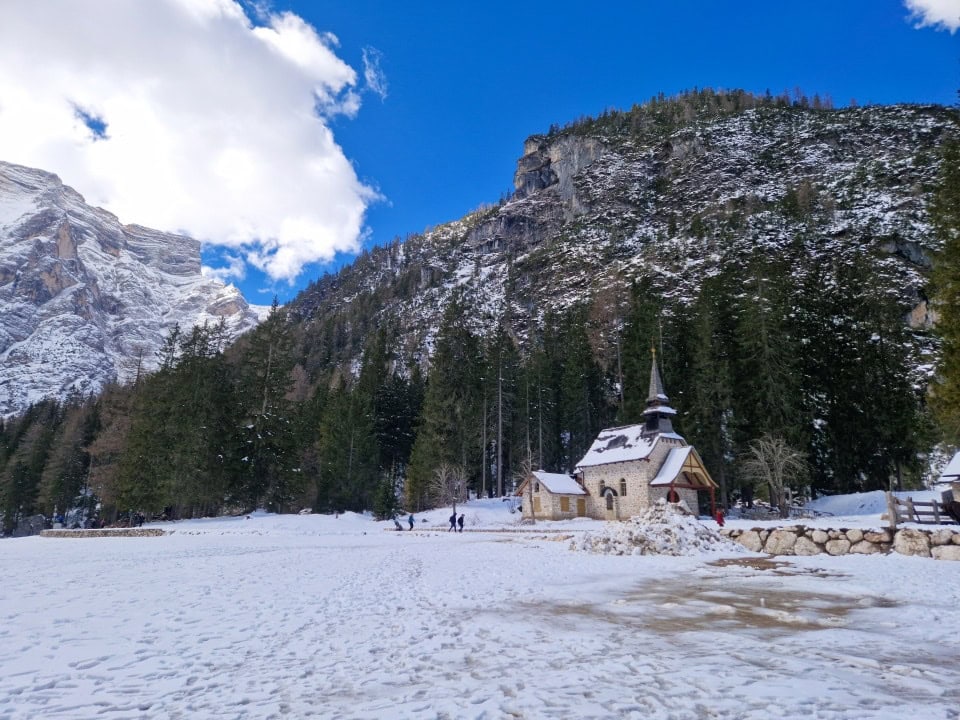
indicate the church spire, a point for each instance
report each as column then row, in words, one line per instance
column 656, row 384
column 658, row 413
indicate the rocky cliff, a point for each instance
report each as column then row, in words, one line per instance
column 84, row 298
column 674, row 192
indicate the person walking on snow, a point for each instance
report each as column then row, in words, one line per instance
column 410, row 520
column 453, row 522
column 460, row 522
column 719, row 517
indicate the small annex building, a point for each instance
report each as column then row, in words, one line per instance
column 553, row 496
column 626, row 470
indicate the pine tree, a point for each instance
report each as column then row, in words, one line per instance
column 267, row 471
column 945, row 213
column 450, row 423
column 707, row 414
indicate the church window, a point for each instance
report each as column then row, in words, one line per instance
column 536, row 487
column 673, row 496
column 623, row 487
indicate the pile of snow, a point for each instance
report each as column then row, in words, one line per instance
column 663, row 529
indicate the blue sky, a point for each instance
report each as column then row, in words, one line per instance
column 287, row 136
column 468, row 83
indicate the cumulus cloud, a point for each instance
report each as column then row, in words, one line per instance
column 935, row 13
column 189, row 116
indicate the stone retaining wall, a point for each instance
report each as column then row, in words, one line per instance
column 940, row 544
column 105, row 532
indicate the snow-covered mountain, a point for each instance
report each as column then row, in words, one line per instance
column 83, row 297
column 675, row 191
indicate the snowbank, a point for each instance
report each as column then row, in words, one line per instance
column 663, row 529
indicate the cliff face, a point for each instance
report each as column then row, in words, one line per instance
column 608, row 201
column 83, row 298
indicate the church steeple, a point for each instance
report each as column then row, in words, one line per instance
column 658, row 413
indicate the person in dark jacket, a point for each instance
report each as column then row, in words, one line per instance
column 460, row 522
column 453, row 522
column 410, row 520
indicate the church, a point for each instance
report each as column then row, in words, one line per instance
column 626, row 470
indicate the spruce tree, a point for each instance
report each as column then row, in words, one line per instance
column 945, row 214
column 450, row 422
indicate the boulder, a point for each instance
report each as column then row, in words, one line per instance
column 780, row 542
column 865, row 548
column 806, row 546
column 941, row 537
column 877, row 536
column 819, row 536
column 912, row 542
column 750, row 539
column 946, row 552
column 840, row 546
column 855, row 535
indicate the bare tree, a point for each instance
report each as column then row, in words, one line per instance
column 772, row 461
column 448, row 485
column 522, row 473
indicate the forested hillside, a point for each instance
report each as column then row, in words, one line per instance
column 774, row 252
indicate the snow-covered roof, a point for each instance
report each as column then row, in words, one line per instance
column 952, row 470
column 661, row 409
column 672, row 465
column 558, row 483
column 622, row 444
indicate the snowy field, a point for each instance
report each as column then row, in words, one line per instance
column 316, row 616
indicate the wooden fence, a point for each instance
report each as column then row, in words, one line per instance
column 910, row 510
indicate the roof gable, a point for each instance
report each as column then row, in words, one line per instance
column 683, row 461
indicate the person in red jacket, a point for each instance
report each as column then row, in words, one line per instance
column 718, row 516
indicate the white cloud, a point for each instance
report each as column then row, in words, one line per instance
column 373, row 74
column 185, row 115
column 234, row 269
column 935, row 13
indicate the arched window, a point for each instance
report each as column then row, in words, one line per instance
column 536, row 487
column 673, row 496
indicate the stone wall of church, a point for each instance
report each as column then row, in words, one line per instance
column 637, row 474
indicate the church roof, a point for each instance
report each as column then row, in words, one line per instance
column 952, row 470
column 622, row 444
column 558, row 483
column 672, row 465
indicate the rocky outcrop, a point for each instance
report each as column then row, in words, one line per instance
column 83, row 298
column 940, row 544
column 601, row 205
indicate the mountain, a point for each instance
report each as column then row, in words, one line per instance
column 85, row 299
column 675, row 191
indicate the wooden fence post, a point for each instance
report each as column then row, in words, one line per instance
column 892, row 516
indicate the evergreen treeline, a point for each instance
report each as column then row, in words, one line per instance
column 819, row 358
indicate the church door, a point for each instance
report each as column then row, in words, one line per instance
column 581, row 507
